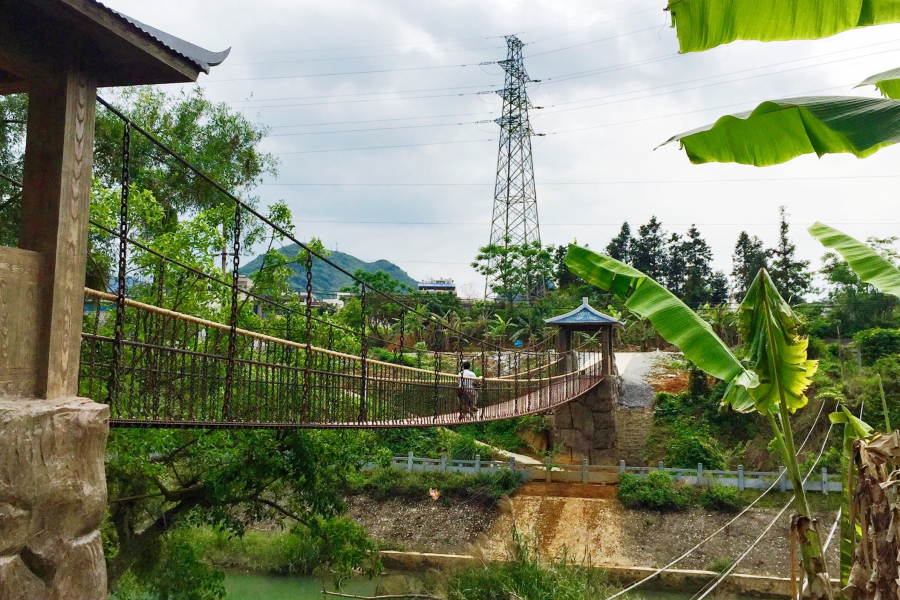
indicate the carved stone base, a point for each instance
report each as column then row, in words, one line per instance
column 52, row 498
column 586, row 427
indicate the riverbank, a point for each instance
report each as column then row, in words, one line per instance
column 595, row 529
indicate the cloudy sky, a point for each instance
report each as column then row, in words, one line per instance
column 381, row 118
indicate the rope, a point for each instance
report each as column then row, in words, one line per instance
column 723, row 527
column 734, row 565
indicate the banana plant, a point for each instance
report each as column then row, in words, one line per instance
column 704, row 24
column 772, row 379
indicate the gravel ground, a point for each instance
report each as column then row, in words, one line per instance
column 634, row 391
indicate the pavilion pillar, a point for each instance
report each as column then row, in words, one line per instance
column 607, row 351
column 564, row 345
column 52, row 443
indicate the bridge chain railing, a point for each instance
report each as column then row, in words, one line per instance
column 175, row 342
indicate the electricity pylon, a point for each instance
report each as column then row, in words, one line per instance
column 515, row 218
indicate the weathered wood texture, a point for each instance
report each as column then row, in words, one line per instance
column 20, row 272
column 55, row 204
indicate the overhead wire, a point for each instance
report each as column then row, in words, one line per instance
column 313, row 75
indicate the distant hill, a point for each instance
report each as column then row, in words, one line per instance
column 327, row 280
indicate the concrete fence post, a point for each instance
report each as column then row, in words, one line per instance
column 825, row 480
column 741, row 477
column 512, row 464
column 699, row 473
column 547, row 469
column 443, row 462
column 584, row 470
column 622, row 467
column 783, row 480
column 661, row 465
column 409, row 462
column 477, row 464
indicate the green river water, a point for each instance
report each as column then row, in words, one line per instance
column 243, row 586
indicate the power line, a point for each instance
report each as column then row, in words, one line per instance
column 381, row 120
column 308, row 75
column 442, row 89
column 619, row 18
column 359, row 101
column 622, row 182
column 379, row 128
column 612, row 37
column 382, row 147
column 364, row 56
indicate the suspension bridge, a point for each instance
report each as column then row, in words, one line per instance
column 156, row 366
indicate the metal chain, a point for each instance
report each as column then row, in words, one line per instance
column 363, row 355
column 232, row 333
column 114, row 385
column 401, row 341
column 306, row 375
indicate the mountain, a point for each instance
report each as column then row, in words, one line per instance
column 328, row 280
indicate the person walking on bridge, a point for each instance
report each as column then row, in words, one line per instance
column 468, row 401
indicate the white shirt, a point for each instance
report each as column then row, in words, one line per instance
column 466, row 379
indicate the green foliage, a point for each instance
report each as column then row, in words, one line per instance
column 174, row 570
column 749, row 257
column 777, row 131
column 517, row 270
column 655, row 492
column 720, row 564
column 13, row 114
column 705, row 24
column 388, row 482
column 877, row 343
column 721, row 498
column 525, row 575
column 689, row 445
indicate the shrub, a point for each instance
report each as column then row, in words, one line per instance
column 389, row 482
column 720, row 565
column 721, row 498
column 656, row 492
column 877, row 343
column 689, row 445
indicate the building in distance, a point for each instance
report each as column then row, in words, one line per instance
column 437, row 286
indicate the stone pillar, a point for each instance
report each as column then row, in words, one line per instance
column 585, row 428
column 52, row 443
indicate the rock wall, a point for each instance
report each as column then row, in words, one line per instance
column 586, row 427
column 52, row 499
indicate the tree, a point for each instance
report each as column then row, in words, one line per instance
column 564, row 276
column 718, row 288
column 620, row 246
column 648, row 250
column 13, row 114
column 698, row 270
column 749, row 257
column 791, row 276
column 518, row 271
column 676, row 265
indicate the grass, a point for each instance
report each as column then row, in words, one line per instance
column 389, row 482
column 776, row 499
column 526, row 575
column 720, row 564
column 659, row 491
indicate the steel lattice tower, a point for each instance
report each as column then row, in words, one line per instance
column 515, row 218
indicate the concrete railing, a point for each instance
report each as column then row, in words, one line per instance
column 584, row 473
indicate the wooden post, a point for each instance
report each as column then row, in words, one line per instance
column 606, row 337
column 55, row 202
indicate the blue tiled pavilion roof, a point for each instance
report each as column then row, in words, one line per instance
column 583, row 315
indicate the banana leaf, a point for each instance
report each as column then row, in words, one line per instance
column 673, row 320
column 853, row 429
column 870, row 266
column 888, row 83
column 777, row 131
column 775, row 350
column 704, row 24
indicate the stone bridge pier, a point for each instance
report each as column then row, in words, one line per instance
column 585, row 428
